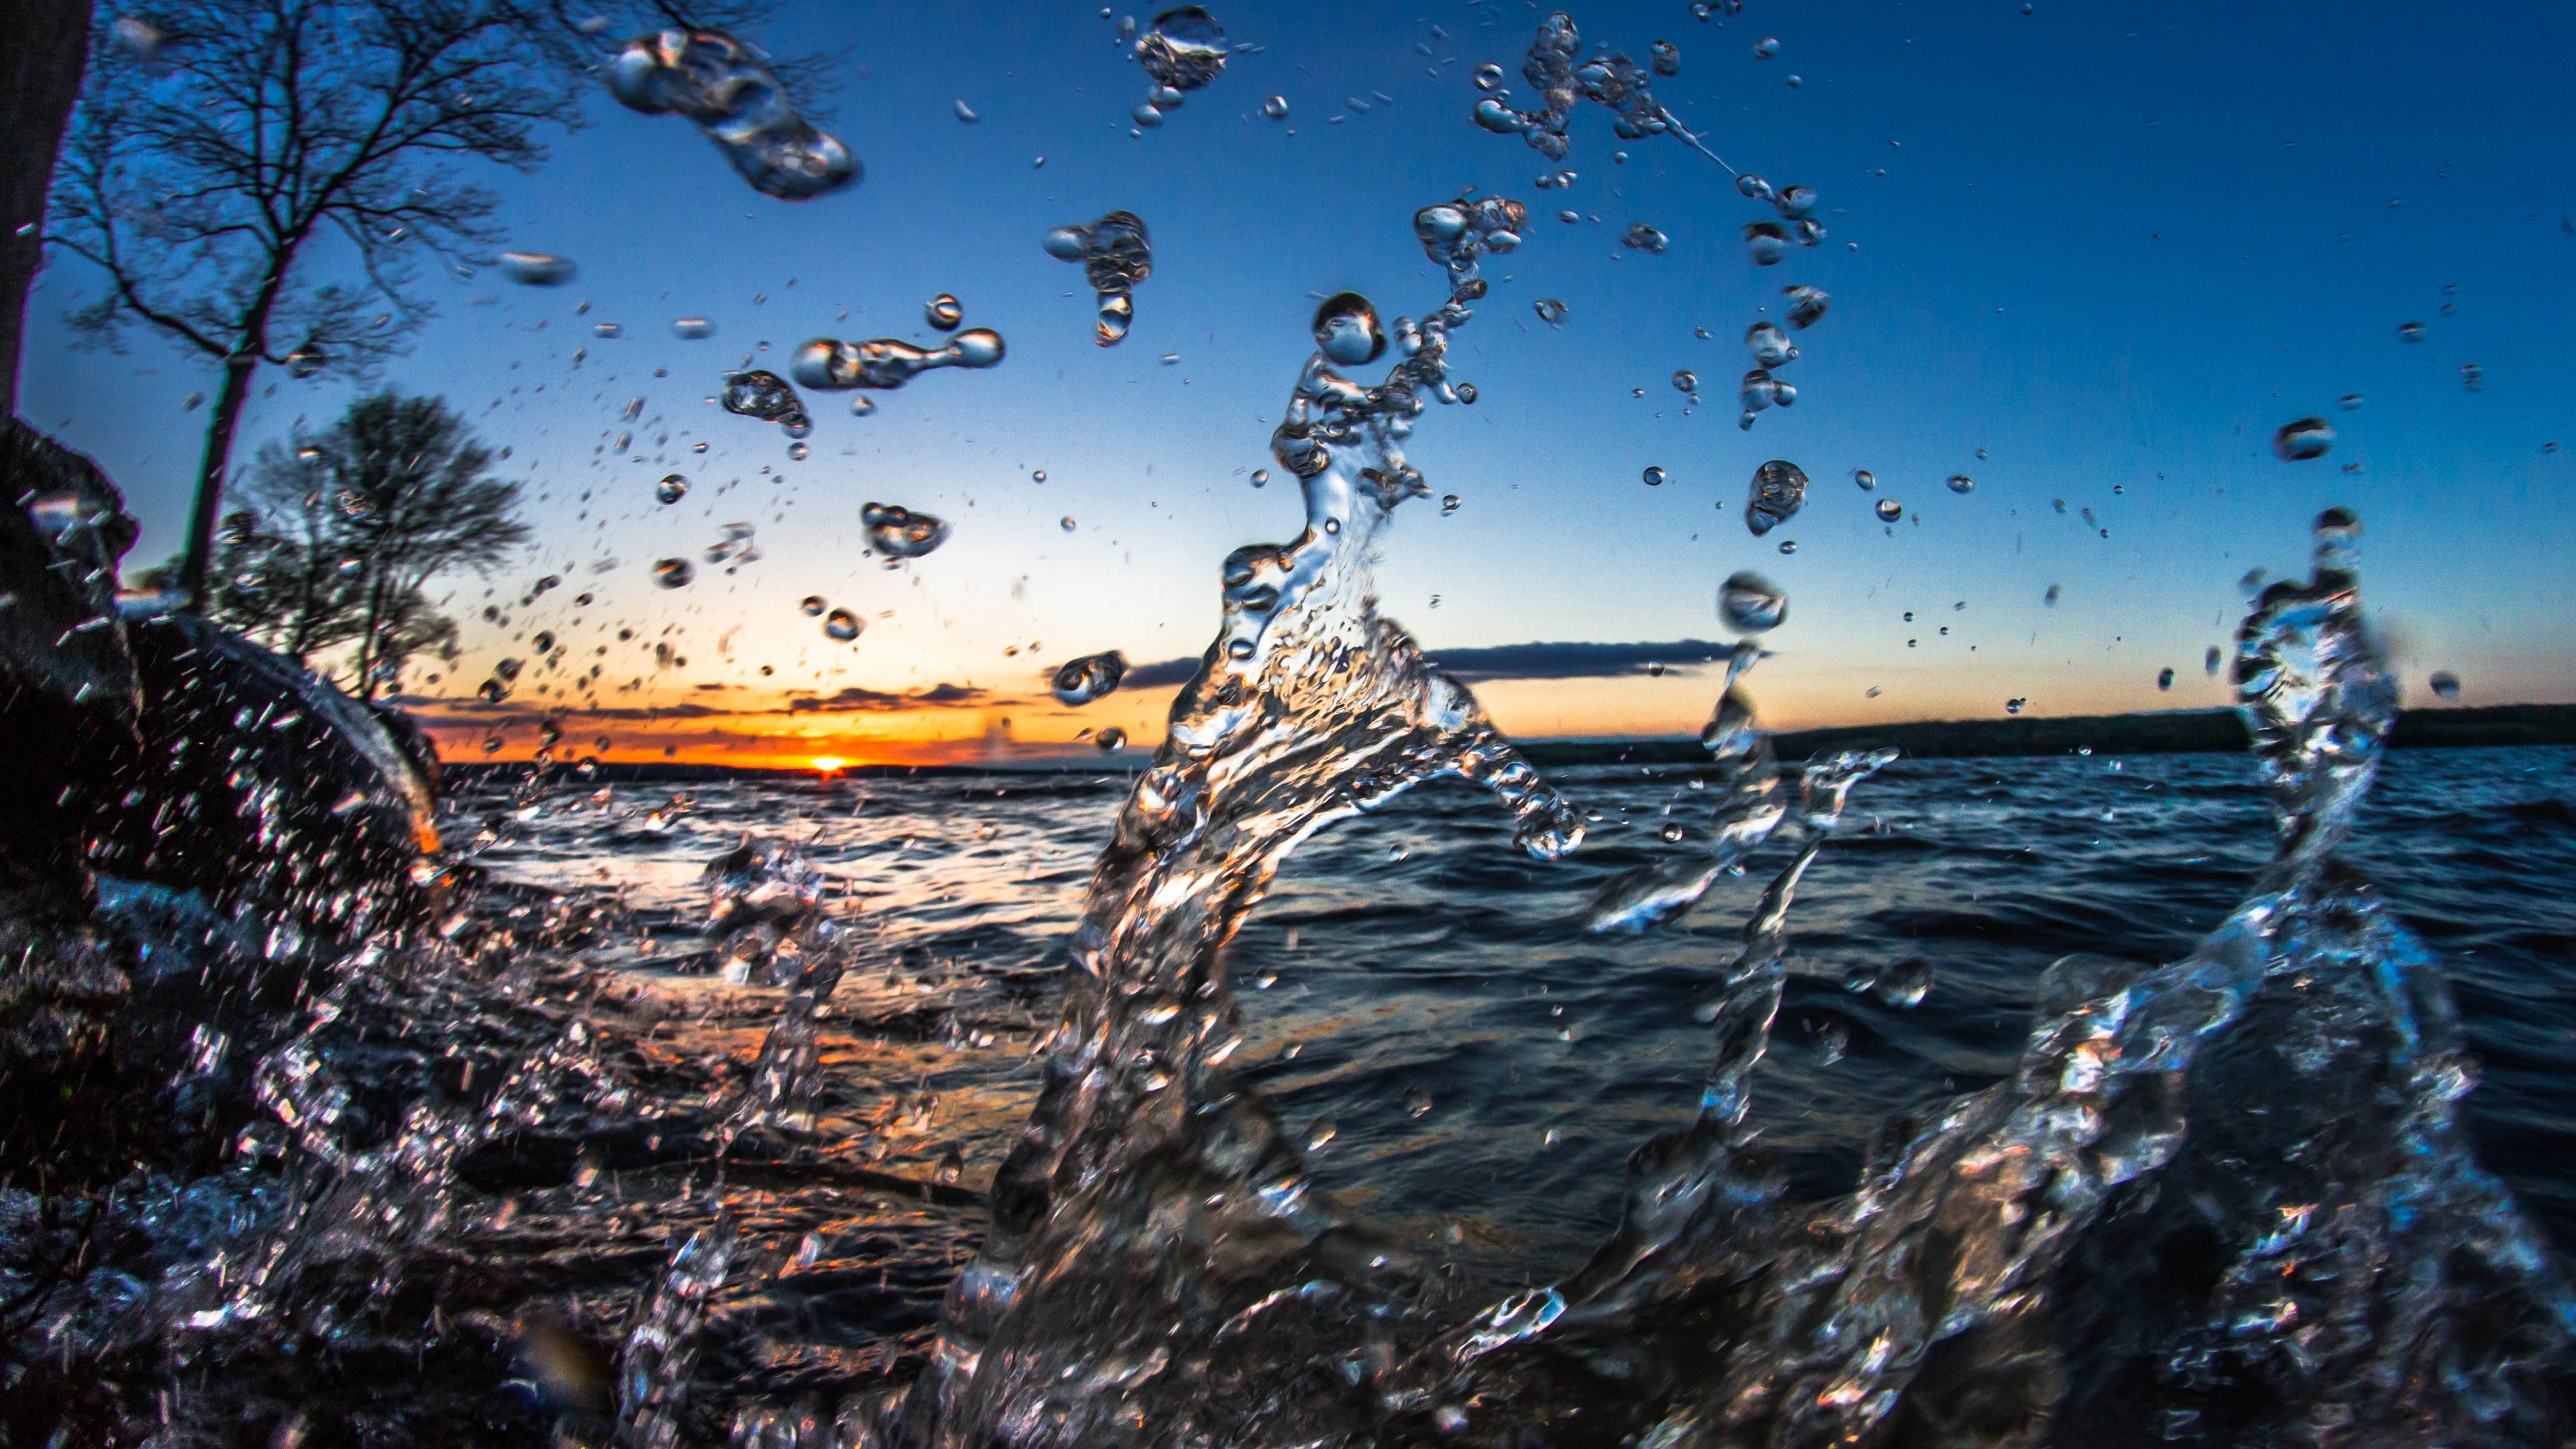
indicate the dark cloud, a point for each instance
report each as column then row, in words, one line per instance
column 1169, row 671
column 854, row 700
column 1571, row 661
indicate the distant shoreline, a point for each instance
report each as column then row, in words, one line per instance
column 2175, row 732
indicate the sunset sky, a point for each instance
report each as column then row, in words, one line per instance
column 2093, row 254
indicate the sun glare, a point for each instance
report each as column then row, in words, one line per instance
column 828, row 763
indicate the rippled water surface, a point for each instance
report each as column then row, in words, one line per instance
column 1427, row 994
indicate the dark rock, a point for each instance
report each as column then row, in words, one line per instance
column 261, row 785
column 67, row 683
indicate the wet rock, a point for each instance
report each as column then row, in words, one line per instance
column 67, row 682
column 261, row 785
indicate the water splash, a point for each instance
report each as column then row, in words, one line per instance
column 899, row 533
column 1116, row 256
column 721, row 83
column 1308, row 708
column 1613, row 81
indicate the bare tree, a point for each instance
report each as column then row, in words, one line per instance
column 205, row 164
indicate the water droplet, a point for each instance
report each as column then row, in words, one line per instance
column 1110, row 740
column 2164, row 679
column 1776, row 496
column 1116, row 255
column 1644, row 238
column 1276, row 108
column 1321, row 1132
column 1788, row 545
column 606, row 329
column 2410, row 331
column 1347, row 330
column 898, row 532
column 1147, row 115
column 2209, row 662
column 2299, row 441
column 1753, row 186
column 1038, row 476
column 860, row 407
column 1672, row 833
column 2473, row 377
column 1807, row 305
column 1083, row 680
column 888, row 362
column 943, row 312
column 813, row 605
column 672, row 488
column 1685, row 380
column 1066, row 523
column 1654, row 477
column 1865, row 478
column 966, row 113
column 765, row 395
column 2446, row 684
column 673, row 573
column 1889, row 510
column 798, row 452
column 1765, row 243
column 843, row 625
column 1449, row 504
column 1767, row 47
column 1489, row 77
column 719, row 82
column 2349, row 402
column 1750, row 603
column 1185, row 49
column 538, row 269
column 2011, row 706
column 1961, row 482
column 1550, row 311
column 1769, row 345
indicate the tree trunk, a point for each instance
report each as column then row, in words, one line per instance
column 210, row 473
column 40, row 73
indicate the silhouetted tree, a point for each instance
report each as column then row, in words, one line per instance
column 218, row 140
column 342, row 531
column 216, row 146
column 40, row 73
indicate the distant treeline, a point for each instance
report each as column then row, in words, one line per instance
column 2180, row 732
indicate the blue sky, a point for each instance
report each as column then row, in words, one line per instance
column 2114, row 246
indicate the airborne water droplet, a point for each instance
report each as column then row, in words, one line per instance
column 2296, row 442
column 1083, row 680
column 813, row 605
column 1779, row 491
column 897, row 532
column 2410, row 331
column 672, row 488
column 1769, row 345
column 1644, row 238
column 1890, row 510
column 673, row 573
column 2446, row 684
column 1347, row 330
column 1489, row 77
column 1865, row 478
column 1654, row 477
column 1110, row 740
column 1550, row 311
column 538, row 269
column 1750, row 603
column 943, row 312
column 1961, row 482
column 1685, row 380
column 843, row 625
